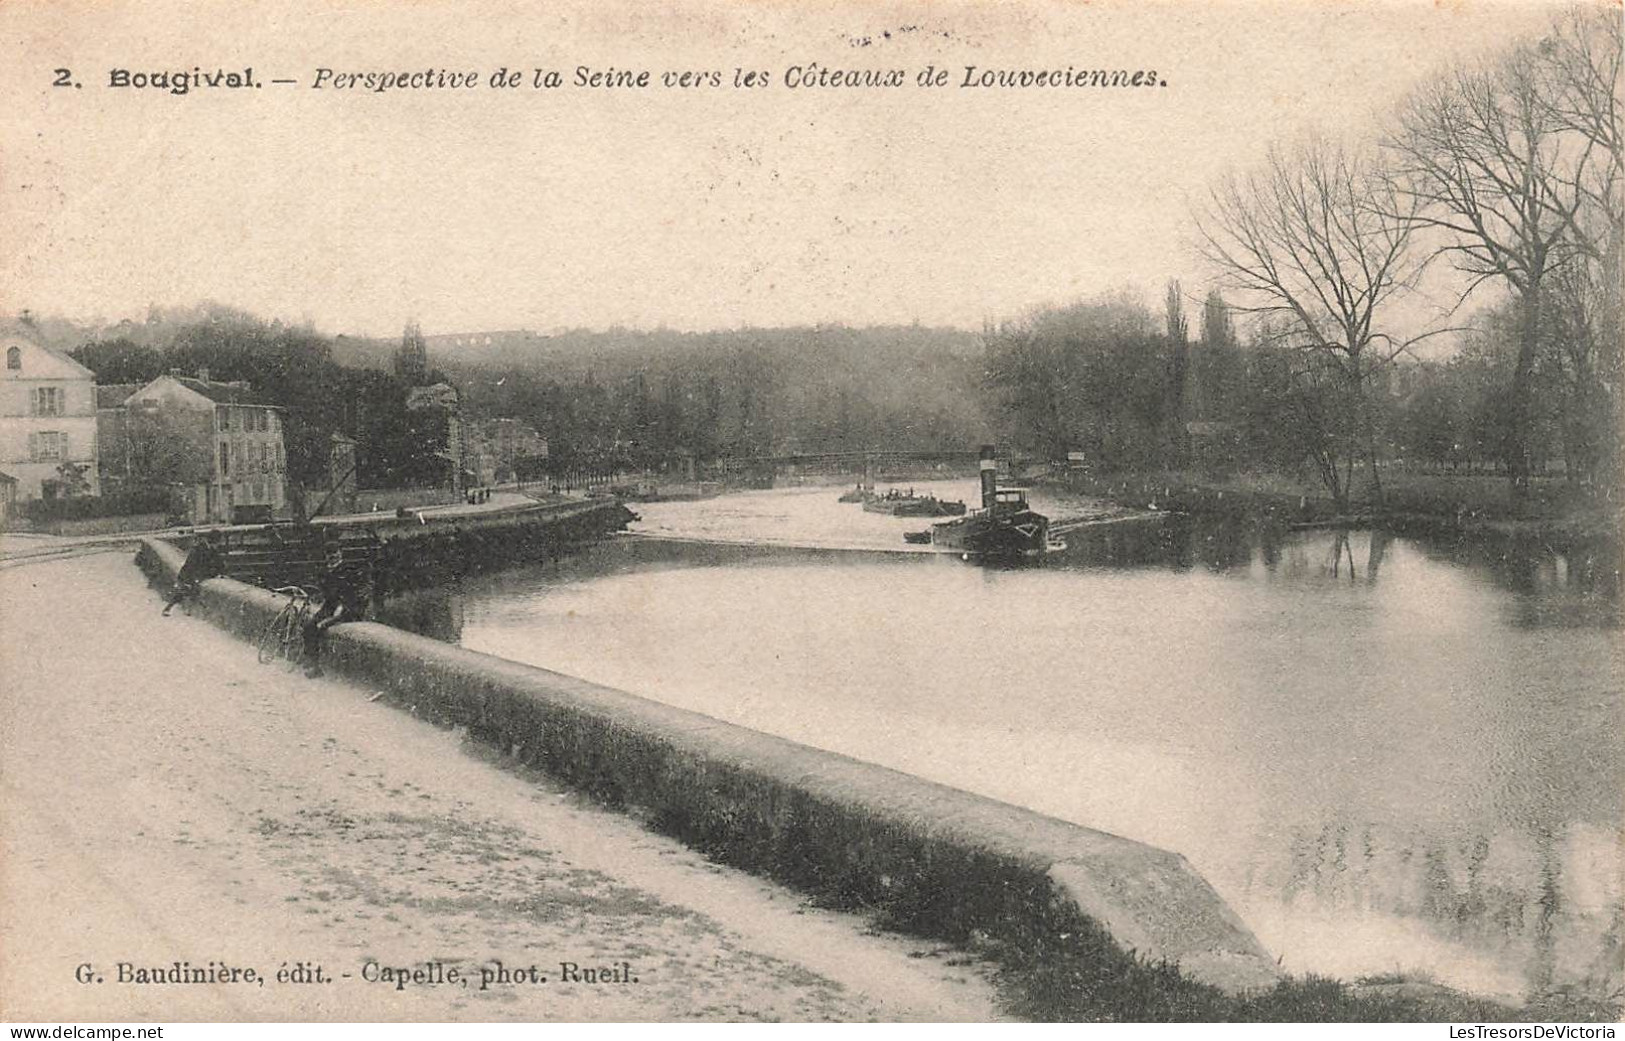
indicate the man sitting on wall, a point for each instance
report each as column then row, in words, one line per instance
column 346, row 591
column 203, row 561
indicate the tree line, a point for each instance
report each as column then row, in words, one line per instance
column 615, row 400
column 655, row 399
column 1497, row 184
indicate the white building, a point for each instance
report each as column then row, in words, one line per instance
column 47, row 421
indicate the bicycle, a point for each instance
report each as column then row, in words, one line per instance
column 284, row 635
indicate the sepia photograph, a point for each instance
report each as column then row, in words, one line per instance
column 812, row 511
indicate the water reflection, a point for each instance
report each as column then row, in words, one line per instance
column 1388, row 754
column 1578, row 585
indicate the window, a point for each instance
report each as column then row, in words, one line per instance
column 14, row 358
column 225, row 458
column 48, row 446
column 47, row 401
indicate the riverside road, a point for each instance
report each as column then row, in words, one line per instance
column 174, row 811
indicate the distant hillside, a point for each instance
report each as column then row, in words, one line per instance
column 743, row 391
column 576, row 351
column 641, row 397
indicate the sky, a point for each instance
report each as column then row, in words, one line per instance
column 699, row 208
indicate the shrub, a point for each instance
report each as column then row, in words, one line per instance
column 85, row 507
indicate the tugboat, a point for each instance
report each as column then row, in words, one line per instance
column 1004, row 530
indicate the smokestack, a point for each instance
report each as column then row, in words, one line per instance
column 990, row 477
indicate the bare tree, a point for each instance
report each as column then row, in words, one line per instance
column 1580, row 61
column 1486, row 156
column 1578, row 64
column 1318, row 242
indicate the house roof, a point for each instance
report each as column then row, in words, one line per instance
column 435, row 394
column 237, row 393
column 64, row 357
column 222, row 393
column 6, row 478
column 17, row 331
column 113, row 395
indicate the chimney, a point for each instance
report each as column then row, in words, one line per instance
column 203, row 373
column 990, row 477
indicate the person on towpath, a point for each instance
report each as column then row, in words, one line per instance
column 204, row 560
column 345, row 591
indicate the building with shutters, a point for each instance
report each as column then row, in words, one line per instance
column 214, row 440
column 48, row 440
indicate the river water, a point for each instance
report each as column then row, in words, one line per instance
column 1389, row 756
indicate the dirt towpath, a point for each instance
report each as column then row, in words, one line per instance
column 165, row 799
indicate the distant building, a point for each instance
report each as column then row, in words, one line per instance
column 215, row 440
column 48, row 441
column 498, row 448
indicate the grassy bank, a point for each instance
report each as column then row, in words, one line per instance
column 1445, row 503
column 1057, row 987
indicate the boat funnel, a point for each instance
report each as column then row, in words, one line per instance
column 990, row 477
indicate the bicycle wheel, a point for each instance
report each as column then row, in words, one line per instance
column 293, row 640
column 271, row 637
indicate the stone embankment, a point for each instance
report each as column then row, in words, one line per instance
column 924, row 858
column 413, row 555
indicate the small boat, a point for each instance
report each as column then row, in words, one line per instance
column 858, row 494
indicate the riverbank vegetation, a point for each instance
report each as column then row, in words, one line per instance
column 1438, row 299
column 1111, row 987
